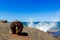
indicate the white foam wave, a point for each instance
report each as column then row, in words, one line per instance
column 42, row 25
column 45, row 26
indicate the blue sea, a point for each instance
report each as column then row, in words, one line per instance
column 45, row 26
column 56, row 27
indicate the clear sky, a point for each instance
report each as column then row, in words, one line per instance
column 23, row 10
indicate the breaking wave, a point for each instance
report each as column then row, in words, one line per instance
column 44, row 26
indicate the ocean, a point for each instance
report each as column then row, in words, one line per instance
column 45, row 26
column 26, row 23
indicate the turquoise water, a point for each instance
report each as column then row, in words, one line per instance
column 57, row 27
column 26, row 23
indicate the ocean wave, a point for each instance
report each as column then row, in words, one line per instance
column 44, row 26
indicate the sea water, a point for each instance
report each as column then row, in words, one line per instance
column 44, row 26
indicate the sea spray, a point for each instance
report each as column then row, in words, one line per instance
column 30, row 23
column 44, row 26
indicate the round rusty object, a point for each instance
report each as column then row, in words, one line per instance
column 18, row 25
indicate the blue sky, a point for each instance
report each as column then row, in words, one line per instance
column 36, row 10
